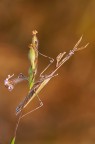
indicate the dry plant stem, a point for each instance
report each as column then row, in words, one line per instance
column 17, row 124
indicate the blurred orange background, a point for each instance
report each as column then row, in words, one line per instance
column 68, row 114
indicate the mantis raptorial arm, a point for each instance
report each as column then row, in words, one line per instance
column 59, row 57
column 75, row 49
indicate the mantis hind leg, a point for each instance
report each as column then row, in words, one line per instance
column 51, row 61
column 40, row 105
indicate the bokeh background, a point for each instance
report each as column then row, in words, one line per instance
column 68, row 114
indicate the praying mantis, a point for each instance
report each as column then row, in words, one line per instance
column 36, row 86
